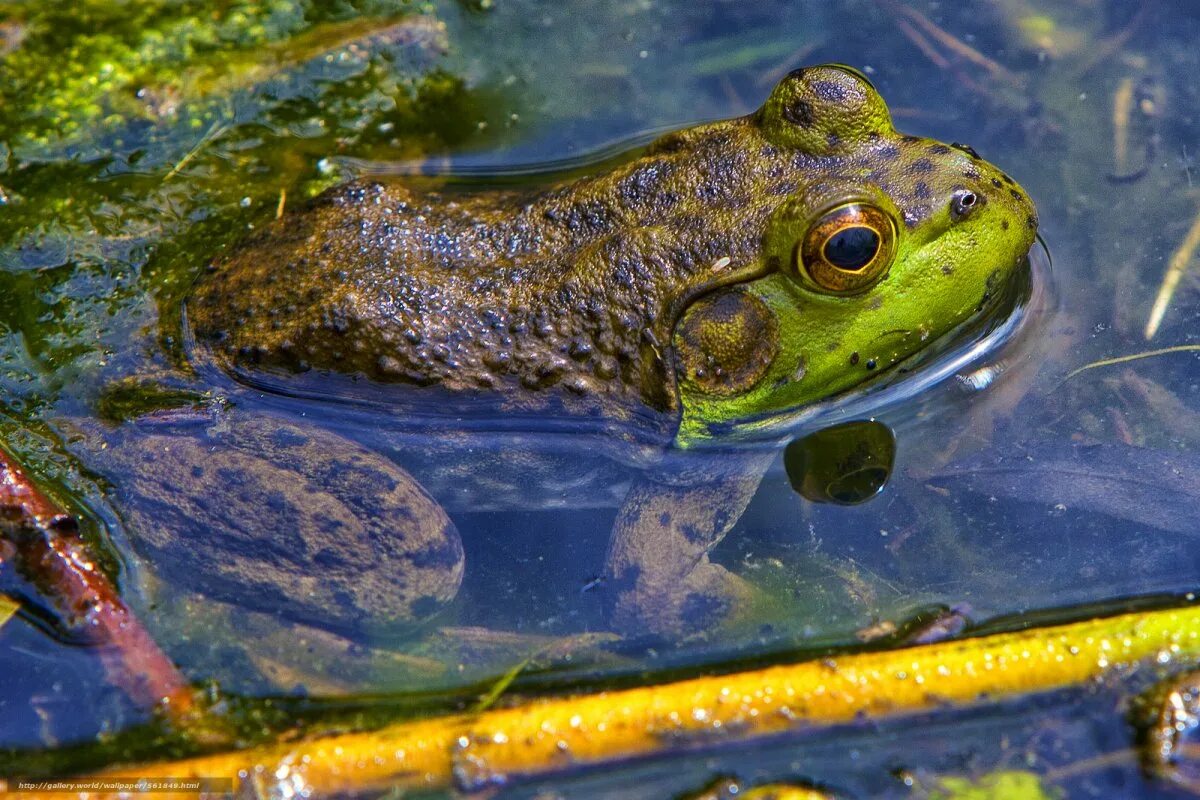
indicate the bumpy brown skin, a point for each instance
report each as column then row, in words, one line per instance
column 577, row 288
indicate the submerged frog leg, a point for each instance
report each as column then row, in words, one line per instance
column 42, row 541
column 281, row 517
column 657, row 561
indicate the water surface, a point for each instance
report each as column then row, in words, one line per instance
column 1025, row 489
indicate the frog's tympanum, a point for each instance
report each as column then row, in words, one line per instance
column 728, row 272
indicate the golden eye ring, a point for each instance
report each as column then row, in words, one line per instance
column 848, row 250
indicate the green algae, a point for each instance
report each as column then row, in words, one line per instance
column 139, row 138
column 83, row 71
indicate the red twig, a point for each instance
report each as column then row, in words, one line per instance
column 43, row 543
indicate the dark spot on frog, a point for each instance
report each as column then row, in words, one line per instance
column 439, row 555
column 770, row 151
column 971, row 173
column 947, row 269
column 288, row 437
column 921, row 165
column 799, row 113
column 854, row 358
column 888, row 152
column 1020, row 198
column 702, row 610
column 230, row 476
column 997, row 183
column 938, row 149
column 695, row 534
column 329, row 526
column 669, row 143
column 1004, row 224
column 832, row 141
column 345, row 600
column 966, row 148
column 625, row 580
column 829, row 92
column 277, row 503
column 921, row 190
column 425, row 606
column 664, row 519
column 1031, row 222
column 646, row 184
column 328, row 558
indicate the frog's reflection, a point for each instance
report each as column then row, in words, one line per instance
column 845, row 464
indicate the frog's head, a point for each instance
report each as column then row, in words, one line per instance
column 887, row 242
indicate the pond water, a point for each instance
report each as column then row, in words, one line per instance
column 140, row 140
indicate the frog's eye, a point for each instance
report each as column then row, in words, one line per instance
column 848, row 249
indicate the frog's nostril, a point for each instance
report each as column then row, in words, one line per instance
column 963, row 202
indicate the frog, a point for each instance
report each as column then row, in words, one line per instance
column 354, row 353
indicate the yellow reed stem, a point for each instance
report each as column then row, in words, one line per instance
column 547, row 735
column 774, row 791
column 780, row 792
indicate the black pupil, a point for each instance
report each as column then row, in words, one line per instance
column 852, row 248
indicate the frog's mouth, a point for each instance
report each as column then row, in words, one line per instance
column 979, row 345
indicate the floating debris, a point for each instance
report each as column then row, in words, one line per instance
column 1175, row 269
column 1145, row 99
column 927, row 37
column 1109, row 362
column 1122, row 110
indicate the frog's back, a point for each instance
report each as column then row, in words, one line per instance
column 585, row 297
column 572, row 289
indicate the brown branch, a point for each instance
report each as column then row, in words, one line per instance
column 43, row 543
